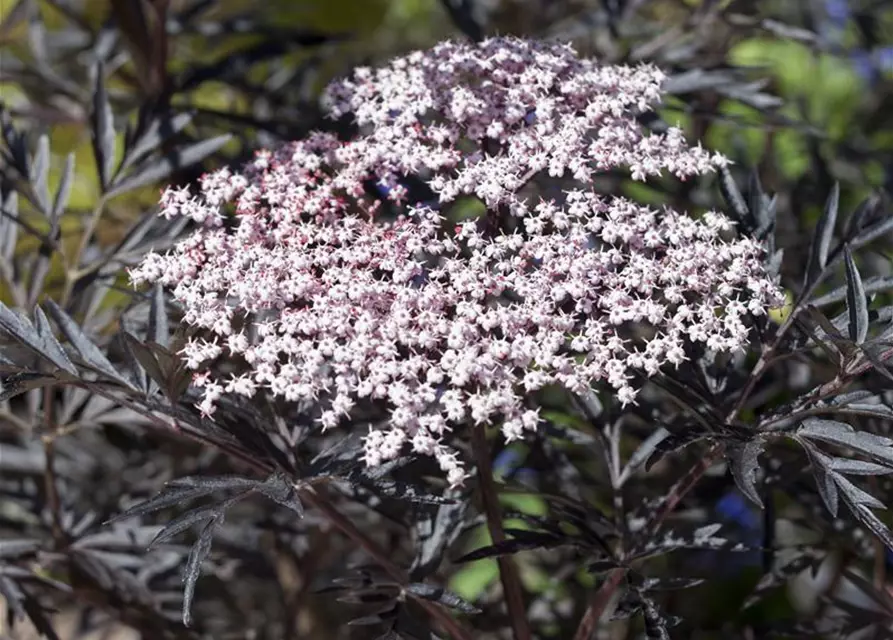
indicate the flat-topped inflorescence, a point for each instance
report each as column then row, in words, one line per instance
column 326, row 301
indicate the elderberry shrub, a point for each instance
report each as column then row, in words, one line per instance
column 475, row 317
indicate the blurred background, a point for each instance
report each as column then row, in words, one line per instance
column 799, row 91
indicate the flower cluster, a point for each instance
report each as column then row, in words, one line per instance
column 525, row 107
column 328, row 303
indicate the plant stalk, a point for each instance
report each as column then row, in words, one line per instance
column 508, row 572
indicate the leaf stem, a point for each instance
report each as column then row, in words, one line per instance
column 51, row 487
column 599, row 603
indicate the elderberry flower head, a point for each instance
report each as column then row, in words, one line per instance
column 326, row 302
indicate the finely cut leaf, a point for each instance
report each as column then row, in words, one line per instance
column 643, row 453
column 45, row 346
column 745, row 464
column 377, row 618
column 827, row 488
column 876, row 284
column 64, row 191
column 103, row 133
column 756, row 200
column 405, row 491
column 854, row 495
column 523, row 541
column 50, row 345
column 169, row 497
column 856, row 302
column 676, row 441
column 732, row 194
column 185, row 520
column 158, row 330
column 824, row 232
column 147, row 360
column 435, row 533
column 703, row 538
column 864, row 213
column 858, row 467
column 441, row 596
column 878, row 448
column 159, row 130
column 156, row 169
column 213, row 483
column 20, row 383
column 89, row 352
column 40, row 171
column 199, row 552
column 865, row 516
column 134, row 370
column 278, row 489
column 867, row 409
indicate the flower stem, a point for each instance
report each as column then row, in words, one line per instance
column 508, row 572
column 598, row 605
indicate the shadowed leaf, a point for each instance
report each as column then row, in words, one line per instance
column 103, row 130
column 155, row 169
column 745, row 464
column 89, row 352
column 856, row 302
column 824, row 232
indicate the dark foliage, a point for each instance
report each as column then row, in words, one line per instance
column 121, row 505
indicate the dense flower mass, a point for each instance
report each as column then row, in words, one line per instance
column 524, row 106
column 326, row 301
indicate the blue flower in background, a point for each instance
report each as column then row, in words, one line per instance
column 838, row 11
column 738, row 511
column 742, row 523
column 507, row 464
column 869, row 64
column 745, row 519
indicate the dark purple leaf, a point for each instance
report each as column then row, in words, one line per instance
column 824, row 232
column 522, row 541
column 103, row 130
column 158, row 330
column 159, row 129
column 732, row 194
column 280, row 490
column 63, row 192
column 40, row 171
column 185, row 520
column 441, row 596
column 156, row 169
column 744, row 461
column 89, row 352
column 200, row 551
column 878, row 448
column 856, row 302
column 875, row 284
